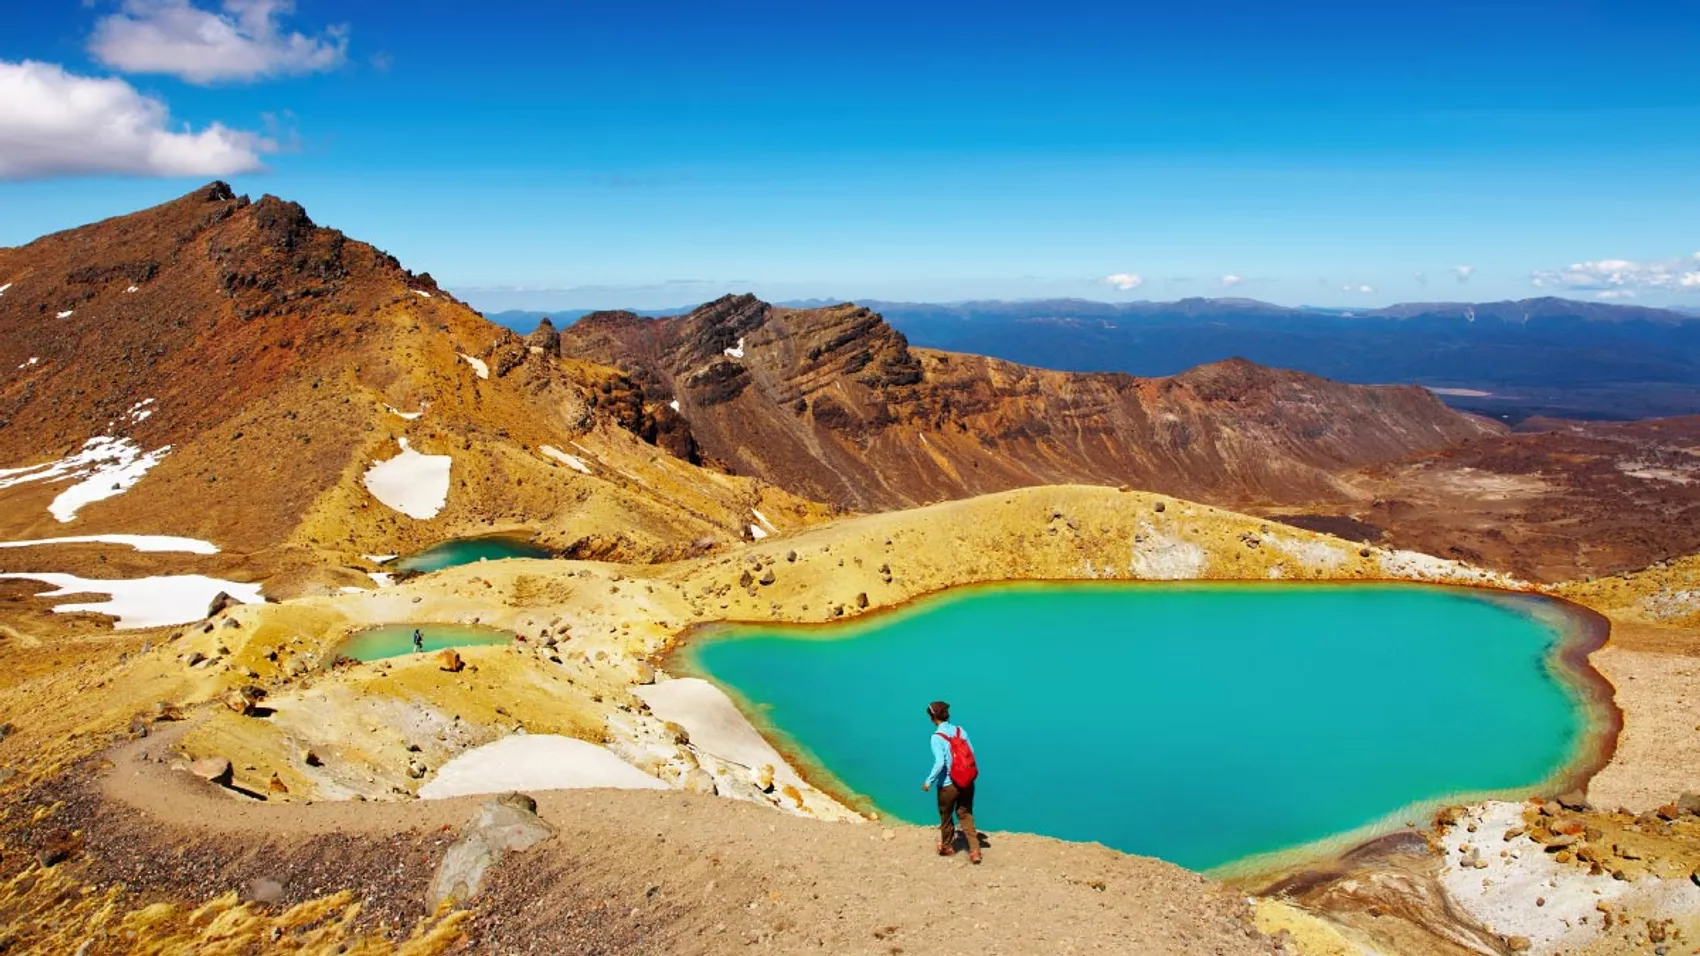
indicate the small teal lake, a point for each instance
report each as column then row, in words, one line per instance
column 1203, row 724
column 396, row 640
column 470, row 551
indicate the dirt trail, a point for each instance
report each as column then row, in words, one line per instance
column 648, row 872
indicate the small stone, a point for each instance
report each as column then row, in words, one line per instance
column 1689, row 803
column 1668, row 812
column 276, row 784
column 767, row 577
column 265, row 890
column 311, row 759
column 1518, row 944
column 59, row 846
column 448, row 659
column 214, row 769
column 862, row 599
column 1514, row 833
column 763, row 776
column 1573, row 800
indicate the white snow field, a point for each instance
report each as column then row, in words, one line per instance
column 151, row 543
column 571, row 461
column 535, row 762
column 108, row 467
column 415, row 485
column 143, row 602
column 478, row 365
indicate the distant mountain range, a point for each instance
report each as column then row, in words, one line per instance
column 1545, row 356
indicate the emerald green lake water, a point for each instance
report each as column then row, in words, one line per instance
column 396, row 640
column 1203, row 724
column 469, row 551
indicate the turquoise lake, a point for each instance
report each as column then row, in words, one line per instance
column 396, row 640
column 1203, row 724
column 469, row 551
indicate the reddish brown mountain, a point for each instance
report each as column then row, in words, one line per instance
column 833, row 404
column 267, row 362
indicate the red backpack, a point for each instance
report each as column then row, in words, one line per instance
column 962, row 768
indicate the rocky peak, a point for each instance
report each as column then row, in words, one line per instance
column 545, row 337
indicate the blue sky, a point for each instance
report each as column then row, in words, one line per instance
column 555, row 155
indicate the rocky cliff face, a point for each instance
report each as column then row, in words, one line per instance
column 834, row 404
column 240, row 368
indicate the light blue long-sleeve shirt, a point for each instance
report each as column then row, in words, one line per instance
column 939, row 776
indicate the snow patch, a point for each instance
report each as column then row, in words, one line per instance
column 379, row 558
column 65, row 314
column 140, row 411
column 477, row 364
column 143, row 602
column 738, row 352
column 415, row 485
column 382, row 579
column 571, row 461
column 535, row 762
column 108, row 467
column 422, row 293
column 33, row 360
column 757, row 532
column 407, row 416
column 152, row 543
column 132, row 289
column 3, row 288
column 763, row 519
column 674, row 404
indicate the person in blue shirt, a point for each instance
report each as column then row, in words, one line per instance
column 956, row 801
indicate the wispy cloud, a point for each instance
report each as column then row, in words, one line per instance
column 1362, row 289
column 1422, row 278
column 54, row 123
column 241, row 41
column 1623, row 275
column 1125, row 281
column 1463, row 273
column 1231, row 279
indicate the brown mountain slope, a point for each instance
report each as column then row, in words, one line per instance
column 261, row 364
column 833, row 404
column 1570, row 500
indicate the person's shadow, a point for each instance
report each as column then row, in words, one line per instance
column 960, row 843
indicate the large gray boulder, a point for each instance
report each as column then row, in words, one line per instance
column 507, row 824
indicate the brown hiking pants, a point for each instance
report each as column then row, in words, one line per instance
column 957, row 802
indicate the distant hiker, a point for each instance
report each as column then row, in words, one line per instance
column 418, row 641
column 954, row 773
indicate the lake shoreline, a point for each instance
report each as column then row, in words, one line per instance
column 1581, row 631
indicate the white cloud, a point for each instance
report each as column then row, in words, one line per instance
column 1125, row 281
column 1364, row 289
column 1463, row 273
column 54, row 123
column 1230, row 280
column 1623, row 275
column 1615, row 294
column 242, row 42
column 1421, row 277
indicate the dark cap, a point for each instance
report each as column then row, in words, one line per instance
column 938, row 710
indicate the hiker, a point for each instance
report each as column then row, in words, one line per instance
column 954, row 773
column 418, row 641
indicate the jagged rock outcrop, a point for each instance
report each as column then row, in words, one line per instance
column 834, row 404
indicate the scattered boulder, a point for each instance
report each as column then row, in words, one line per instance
column 58, row 846
column 763, row 776
column 746, row 579
column 165, row 710
column 1518, row 944
column 1574, row 801
column 1689, row 803
column 220, row 601
column 276, row 784
column 214, row 769
column 311, row 759
column 645, row 673
column 507, row 824
column 862, row 599
column 448, row 659
column 5, row 731
column 767, row 577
